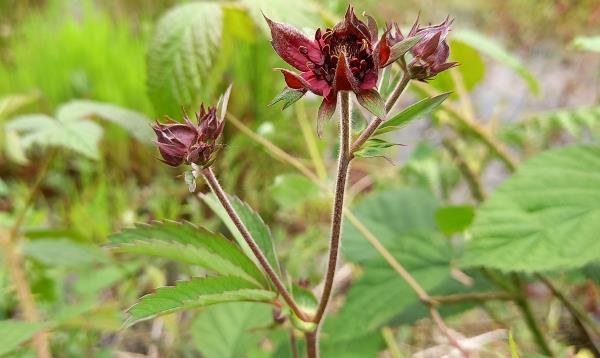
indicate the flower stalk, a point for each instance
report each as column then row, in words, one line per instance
column 216, row 188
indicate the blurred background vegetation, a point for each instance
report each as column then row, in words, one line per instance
column 529, row 73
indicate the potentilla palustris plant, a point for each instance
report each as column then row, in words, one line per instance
column 338, row 64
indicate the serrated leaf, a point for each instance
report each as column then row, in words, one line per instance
column 188, row 244
column 591, row 43
column 454, row 219
column 16, row 332
column 372, row 102
column 81, row 136
column 495, row 50
column 133, row 122
column 253, row 222
column 182, row 51
column 229, row 330
column 422, row 108
column 195, row 293
column 403, row 221
column 545, row 217
column 289, row 96
column 402, row 47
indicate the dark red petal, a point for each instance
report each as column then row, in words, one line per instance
column 382, row 50
column 344, row 79
column 293, row 80
column 372, row 25
column 317, row 85
column 286, row 41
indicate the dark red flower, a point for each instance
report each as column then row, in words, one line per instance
column 180, row 143
column 430, row 53
column 345, row 58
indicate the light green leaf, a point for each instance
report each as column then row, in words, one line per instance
column 188, row 244
column 545, row 217
column 591, row 43
column 63, row 252
column 13, row 333
column 292, row 190
column 514, row 351
column 81, row 136
column 228, row 330
column 402, row 47
column 253, row 222
column 490, row 47
column 289, row 96
column 471, row 67
column 182, row 51
column 195, row 293
column 420, row 109
column 133, row 122
column 453, row 219
column 374, row 147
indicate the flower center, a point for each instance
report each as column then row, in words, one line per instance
column 358, row 53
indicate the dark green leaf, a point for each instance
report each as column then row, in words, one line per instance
column 188, row 244
column 374, row 147
column 195, row 293
column 289, row 96
column 254, row 223
column 372, row 102
column 454, row 219
column 545, row 217
column 422, row 108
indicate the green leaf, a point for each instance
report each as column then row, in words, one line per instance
column 471, row 68
column 372, row 102
column 591, row 43
column 16, row 332
column 374, row 147
column 493, row 49
column 133, row 122
column 63, row 252
column 545, row 217
column 403, row 221
column 454, row 219
column 293, row 190
column 80, row 136
column 188, row 244
column 402, row 47
column 195, row 293
column 420, row 109
column 289, row 96
column 253, row 222
column 181, row 53
column 229, row 330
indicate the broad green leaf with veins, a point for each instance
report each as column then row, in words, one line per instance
column 545, row 217
column 186, row 243
column 197, row 292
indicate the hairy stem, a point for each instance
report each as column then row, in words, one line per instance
column 214, row 185
column 312, row 344
column 376, row 122
column 338, row 204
